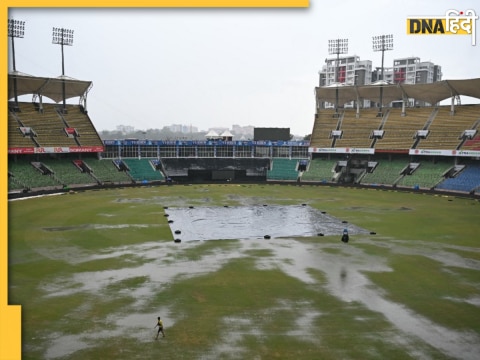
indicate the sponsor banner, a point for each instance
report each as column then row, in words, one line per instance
column 50, row 150
column 86, row 149
column 470, row 153
column 54, row 150
column 21, row 151
column 432, row 152
column 322, row 150
column 360, row 151
column 369, row 151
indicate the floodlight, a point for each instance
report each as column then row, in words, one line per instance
column 16, row 28
column 337, row 46
column 62, row 36
column 382, row 42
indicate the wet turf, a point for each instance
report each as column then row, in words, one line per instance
column 93, row 270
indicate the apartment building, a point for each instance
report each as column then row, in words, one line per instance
column 353, row 71
column 412, row 70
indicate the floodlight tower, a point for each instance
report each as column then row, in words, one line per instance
column 62, row 37
column 16, row 29
column 382, row 43
column 337, row 46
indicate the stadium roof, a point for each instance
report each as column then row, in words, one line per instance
column 431, row 93
column 49, row 87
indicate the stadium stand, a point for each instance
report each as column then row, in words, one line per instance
column 66, row 171
column 387, row 172
column 54, row 147
column 356, row 132
column 23, row 170
column 47, row 124
column 427, row 175
column 15, row 184
column 107, row 173
column 446, row 129
column 15, row 135
column 283, row 169
column 320, row 170
column 472, row 144
column 471, row 112
column 50, row 126
column 467, row 180
column 76, row 118
column 143, row 170
column 324, row 123
column 400, row 130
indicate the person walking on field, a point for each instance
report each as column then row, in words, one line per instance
column 160, row 327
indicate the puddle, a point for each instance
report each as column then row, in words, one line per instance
column 347, row 282
column 158, row 268
column 343, row 266
column 64, row 345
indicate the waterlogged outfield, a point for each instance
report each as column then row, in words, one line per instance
column 93, row 270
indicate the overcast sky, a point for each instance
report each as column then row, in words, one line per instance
column 218, row 67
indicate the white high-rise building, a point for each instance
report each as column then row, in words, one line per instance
column 413, row 71
column 351, row 71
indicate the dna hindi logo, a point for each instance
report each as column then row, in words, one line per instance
column 454, row 22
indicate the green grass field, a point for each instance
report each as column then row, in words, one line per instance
column 93, row 270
